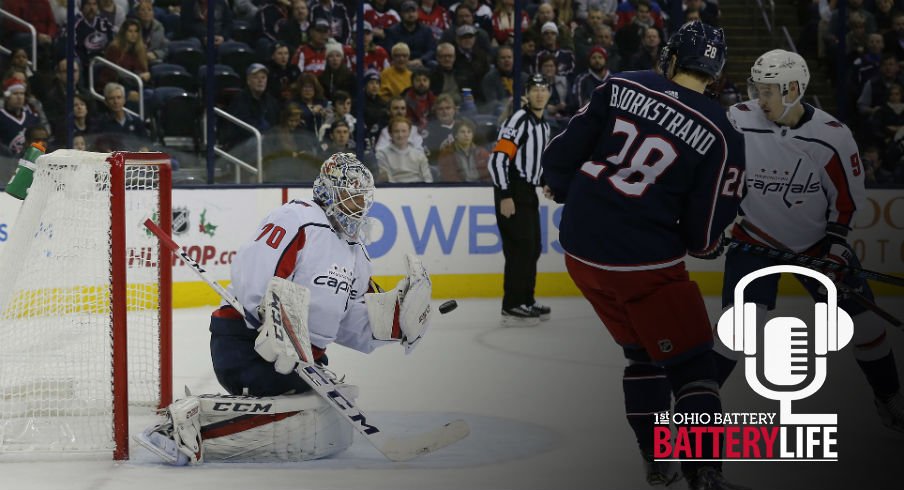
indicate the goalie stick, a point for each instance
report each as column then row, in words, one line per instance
column 812, row 262
column 394, row 448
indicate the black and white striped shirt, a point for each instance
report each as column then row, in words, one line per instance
column 522, row 138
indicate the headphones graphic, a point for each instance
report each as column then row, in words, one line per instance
column 782, row 344
column 737, row 325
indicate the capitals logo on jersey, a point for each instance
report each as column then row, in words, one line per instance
column 338, row 280
column 791, row 184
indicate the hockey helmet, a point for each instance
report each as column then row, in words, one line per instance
column 698, row 47
column 536, row 80
column 781, row 67
column 345, row 191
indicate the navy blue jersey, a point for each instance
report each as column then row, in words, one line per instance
column 648, row 171
column 13, row 128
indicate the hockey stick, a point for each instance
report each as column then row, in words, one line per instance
column 394, row 448
column 807, row 261
column 869, row 305
column 854, row 295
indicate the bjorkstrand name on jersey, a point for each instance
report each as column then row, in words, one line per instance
column 684, row 128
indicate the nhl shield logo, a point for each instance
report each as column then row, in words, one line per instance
column 180, row 221
column 665, row 345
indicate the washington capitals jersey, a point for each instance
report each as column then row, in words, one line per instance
column 648, row 171
column 297, row 242
column 800, row 180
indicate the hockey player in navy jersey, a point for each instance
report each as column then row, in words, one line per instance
column 649, row 172
column 803, row 191
column 315, row 244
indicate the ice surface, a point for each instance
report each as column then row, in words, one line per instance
column 544, row 405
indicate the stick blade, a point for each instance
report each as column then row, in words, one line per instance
column 407, row 448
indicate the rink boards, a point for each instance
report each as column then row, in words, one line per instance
column 453, row 229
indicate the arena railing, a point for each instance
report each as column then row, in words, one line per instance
column 770, row 24
column 34, row 37
column 239, row 163
column 98, row 60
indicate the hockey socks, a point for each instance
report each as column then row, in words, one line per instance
column 697, row 392
column 882, row 375
column 724, row 367
column 647, row 392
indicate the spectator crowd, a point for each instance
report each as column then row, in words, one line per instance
column 863, row 54
column 438, row 75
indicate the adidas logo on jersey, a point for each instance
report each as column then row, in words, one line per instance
column 671, row 93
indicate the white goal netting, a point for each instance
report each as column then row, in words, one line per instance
column 56, row 317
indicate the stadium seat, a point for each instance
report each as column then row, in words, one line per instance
column 228, row 83
column 186, row 54
column 177, row 122
column 171, row 75
column 245, row 32
column 237, row 55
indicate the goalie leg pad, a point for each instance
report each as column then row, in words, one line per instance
column 273, row 429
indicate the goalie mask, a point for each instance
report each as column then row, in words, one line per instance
column 781, row 68
column 345, row 191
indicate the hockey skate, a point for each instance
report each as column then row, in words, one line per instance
column 520, row 316
column 176, row 440
column 891, row 412
column 660, row 472
column 709, row 478
column 541, row 310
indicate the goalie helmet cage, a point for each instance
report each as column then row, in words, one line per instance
column 85, row 303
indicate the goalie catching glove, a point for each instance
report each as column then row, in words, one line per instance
column 404, row 312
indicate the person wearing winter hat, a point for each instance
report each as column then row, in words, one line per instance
column 586, row 82
column 15, row 119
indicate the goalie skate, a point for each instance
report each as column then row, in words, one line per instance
column 177, row 440
column 159, row 440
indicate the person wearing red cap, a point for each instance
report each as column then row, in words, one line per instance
column 586, row 82
column 15, row 118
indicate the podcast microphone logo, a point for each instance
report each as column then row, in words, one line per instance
column 793, row 358
column 786, row 363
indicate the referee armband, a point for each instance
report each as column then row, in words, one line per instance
column 506, row 147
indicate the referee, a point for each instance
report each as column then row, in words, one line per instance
column 515, row 169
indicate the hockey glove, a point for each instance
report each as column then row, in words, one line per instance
column 404, row 312
column 712, row 253
column 835, row 248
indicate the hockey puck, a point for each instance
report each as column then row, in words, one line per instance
column 448, row 306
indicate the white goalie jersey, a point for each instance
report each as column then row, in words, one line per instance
column 798, row 180
column 297, row 243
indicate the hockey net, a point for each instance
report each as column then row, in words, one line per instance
column 79, row 276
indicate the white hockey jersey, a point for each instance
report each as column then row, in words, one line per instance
column 296, row 242
column 798, row 180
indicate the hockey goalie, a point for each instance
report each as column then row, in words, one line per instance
column 310, row 254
